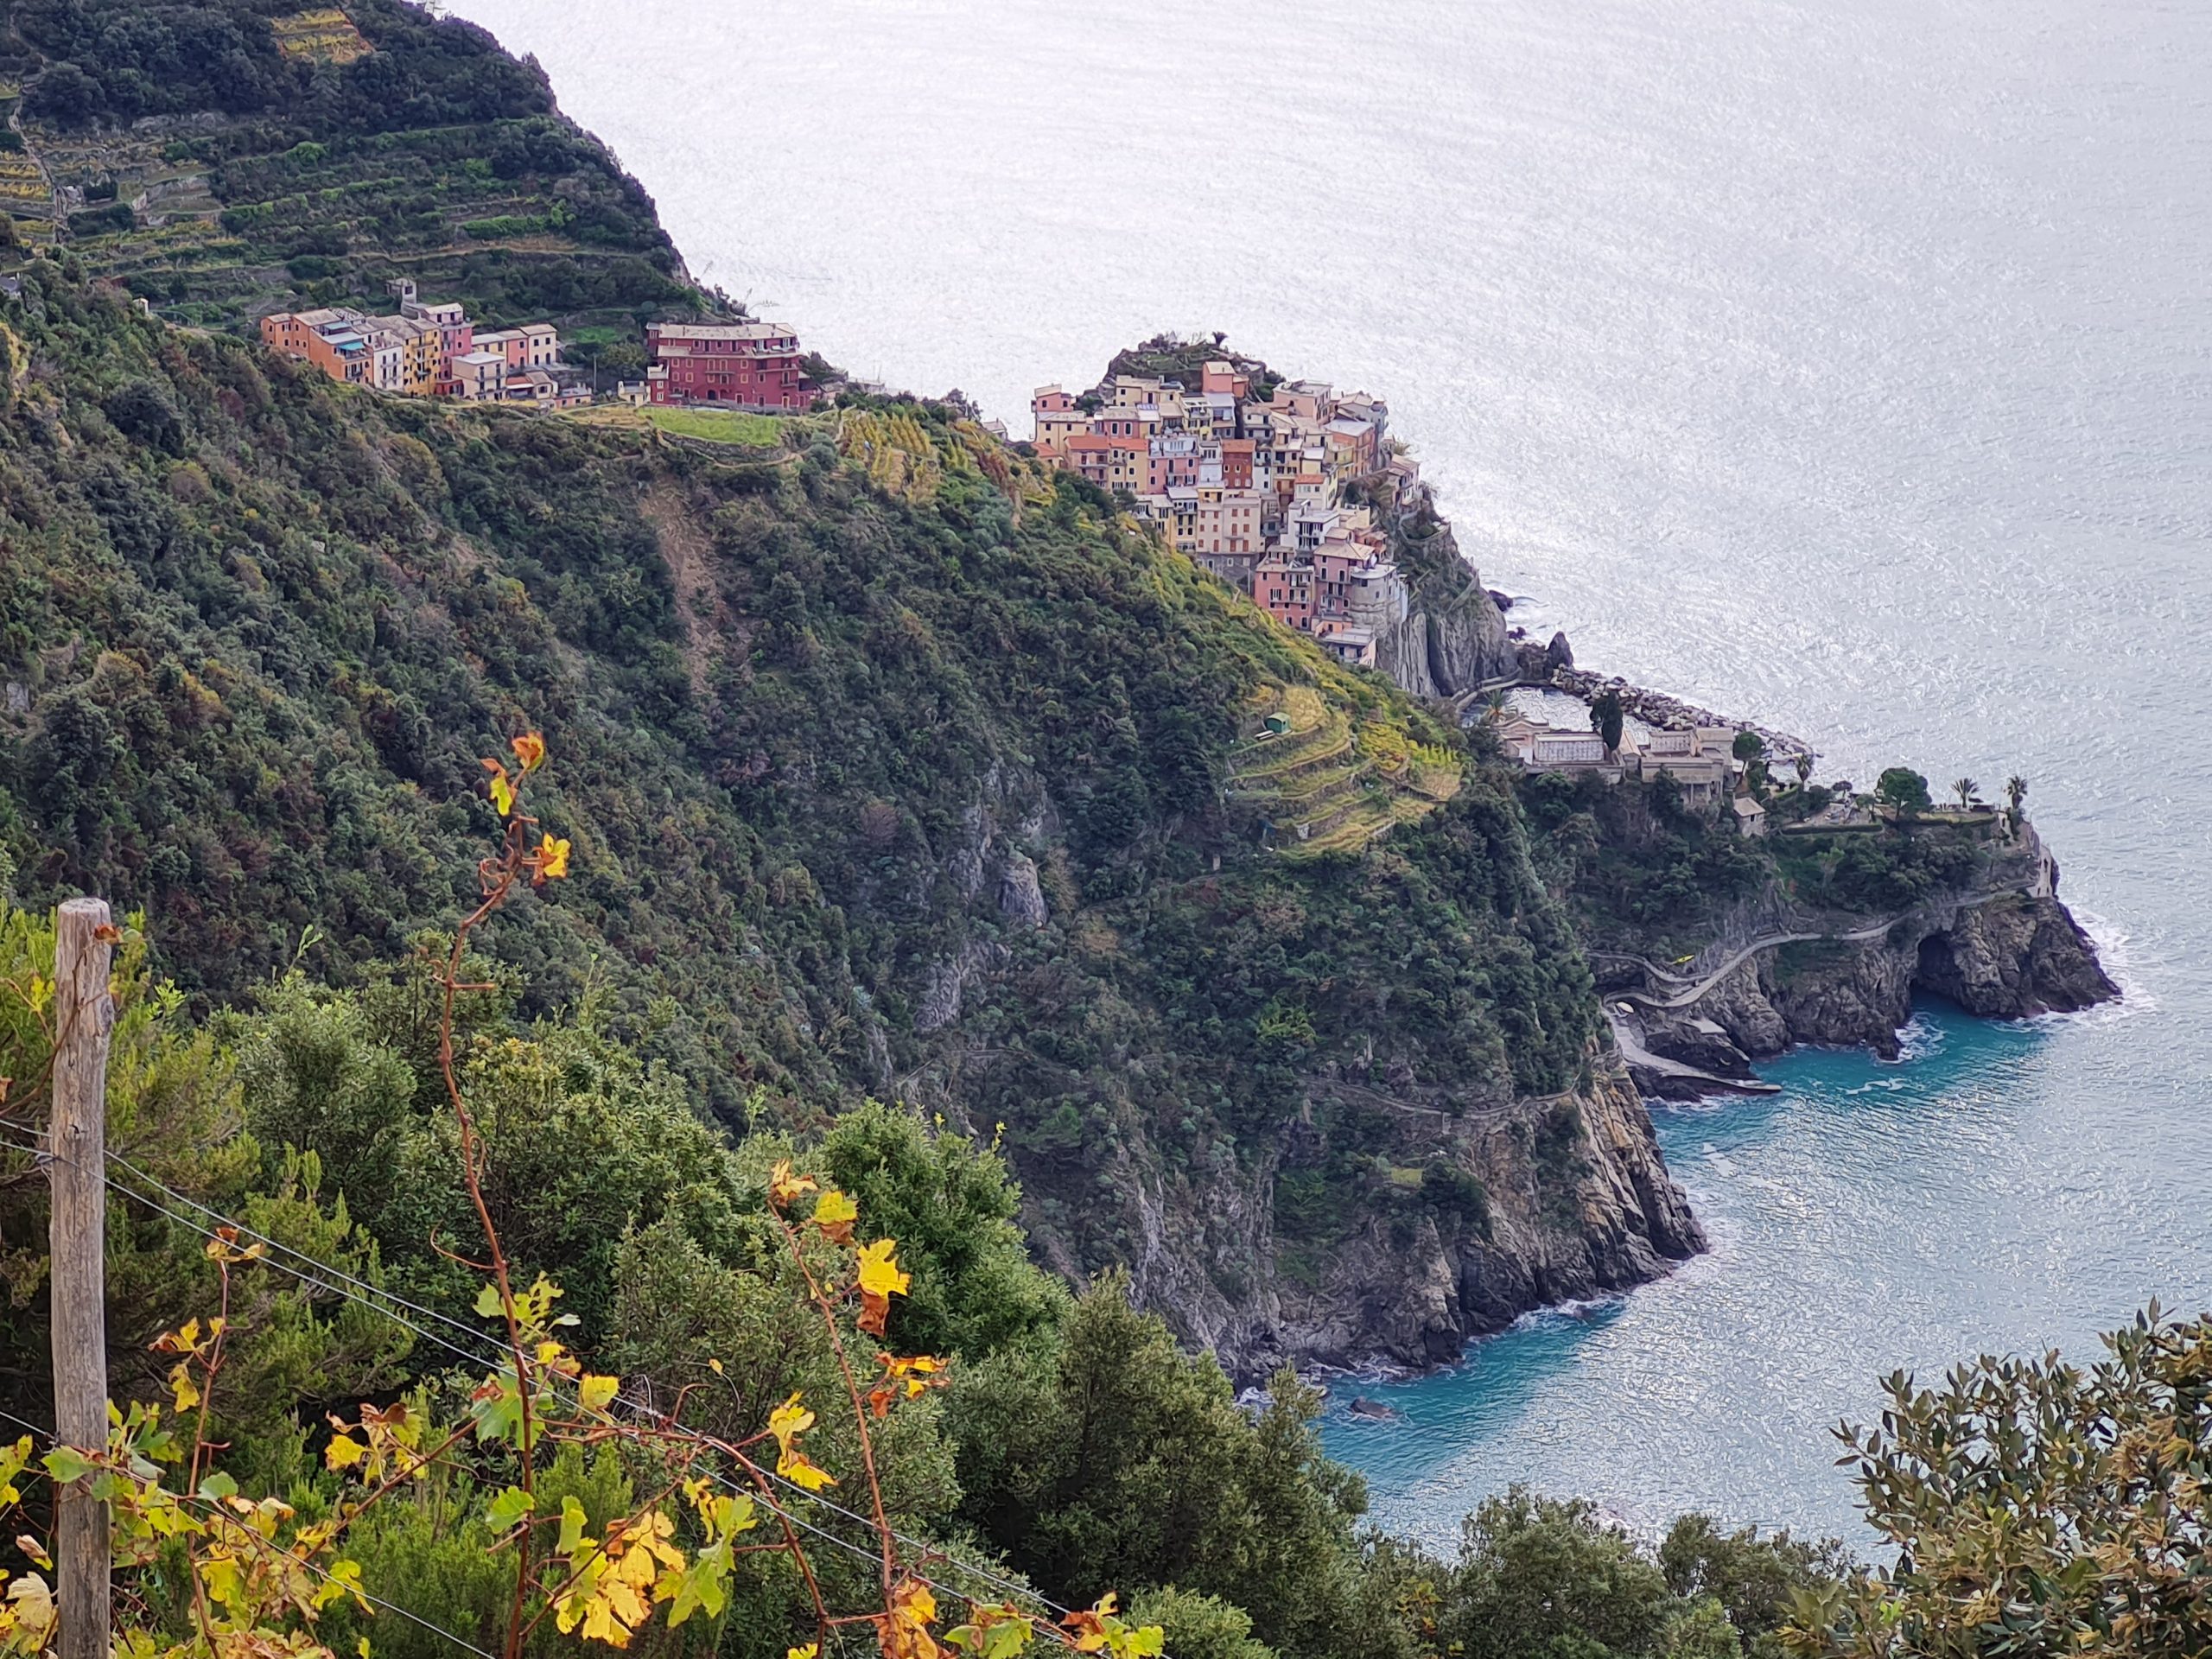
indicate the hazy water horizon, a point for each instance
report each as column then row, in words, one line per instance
column 1847, row 367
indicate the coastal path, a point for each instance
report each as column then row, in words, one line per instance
column 1688, row 991
column 1685, row 991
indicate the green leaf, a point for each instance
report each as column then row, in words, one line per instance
column 66, row 1464
column 572, row 1526
column 488, row 1303
column 508, row 1509
column 219, row 1486
column 498, row 1412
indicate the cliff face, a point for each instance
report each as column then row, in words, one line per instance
column 2006, row 949
column 1493, row 1212
column 1453, row 636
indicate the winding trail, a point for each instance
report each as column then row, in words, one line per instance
column 1688, row 991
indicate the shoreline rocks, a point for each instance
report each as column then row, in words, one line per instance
column 1654, row 709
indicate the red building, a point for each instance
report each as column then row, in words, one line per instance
column 751, row 365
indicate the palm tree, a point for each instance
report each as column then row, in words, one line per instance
column 1964, row 788
column 2016, row 790
column 1804, row 765
column 1496, row 706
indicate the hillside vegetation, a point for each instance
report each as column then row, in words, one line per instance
column 227, row 157
column 899, row 766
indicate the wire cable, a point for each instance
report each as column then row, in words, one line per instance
column 350, row 1287
column 493, row 1353
column 412, row 1618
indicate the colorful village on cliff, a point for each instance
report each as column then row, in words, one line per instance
column 1286, row 490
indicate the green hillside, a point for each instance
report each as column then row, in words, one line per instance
column 226, row 159
column 935, row 783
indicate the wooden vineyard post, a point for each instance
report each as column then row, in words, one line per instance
column 84, row 1013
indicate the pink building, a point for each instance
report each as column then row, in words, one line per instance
column 1221, row 378
column 1284, row 591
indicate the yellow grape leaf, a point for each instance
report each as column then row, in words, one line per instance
column 32, row 1602
column 529, row 750
column 1089, row 1625
column 879, row 1271
column 341, row 1578
column 182, row 1387
column 835, row 1214
column 794, row 1467
column 597, row 1393
column 502, row 790
column 903, row 1628
column 788, row 1420
column 344, row 1451
column 552, row 859
column 783, row 1187
column 811, row 1650
column 879, row 1281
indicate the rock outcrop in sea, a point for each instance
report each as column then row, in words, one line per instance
column 2006, row 950
column 1558, row 1199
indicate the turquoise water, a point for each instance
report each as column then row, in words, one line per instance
column 1871, row 1216
column 1843, row 364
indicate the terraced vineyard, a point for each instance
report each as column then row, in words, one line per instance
column 218, row 192
column 325, row 35
column 1327, row 782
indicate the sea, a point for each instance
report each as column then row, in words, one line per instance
column 1845, row 365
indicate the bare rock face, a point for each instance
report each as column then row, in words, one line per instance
column 1454, row 635
column 2014, row 957
column 1021, row 900
column 1843, row 995
column 1548, row 1200
column 1704, row 1044
column 2005, row 954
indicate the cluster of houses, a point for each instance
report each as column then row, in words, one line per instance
column 428, row 348
column 1702, row 759
column 1256, row 490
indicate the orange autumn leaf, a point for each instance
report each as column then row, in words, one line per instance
column 903, row 1628
column 529, row 750
column 912, row 1377
column 1088, row 1624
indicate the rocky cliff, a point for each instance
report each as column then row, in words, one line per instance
column 1453, row 636
column 1487, row 1213
column 2006, row 948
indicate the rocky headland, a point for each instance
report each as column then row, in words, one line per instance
column 2000, row 944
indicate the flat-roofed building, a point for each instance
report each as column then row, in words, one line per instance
column 750, row 364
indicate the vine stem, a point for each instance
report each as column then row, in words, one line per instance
column 498, row 877
column 209, row 1367
column 890, row 1563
